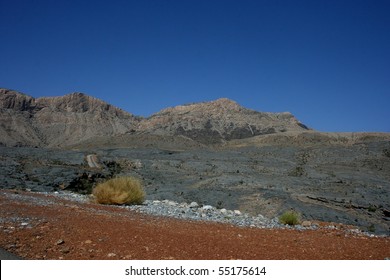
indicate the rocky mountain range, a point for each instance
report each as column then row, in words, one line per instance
column 76, row 118
column 214, row 153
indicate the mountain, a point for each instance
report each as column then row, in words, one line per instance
column 218, row 121
column 58, row 121
column 77, row 118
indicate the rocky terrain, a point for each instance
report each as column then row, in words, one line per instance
column 218, row 121
column 75, row 118
column 58, row 121
column 52, row 226
column 214, row 153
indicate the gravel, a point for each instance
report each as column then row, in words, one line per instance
column 194, row 211
column 207, row 213
column 186, row 211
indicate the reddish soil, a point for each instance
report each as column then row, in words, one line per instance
column 64, row 229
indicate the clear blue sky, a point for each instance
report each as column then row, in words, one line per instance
column 327, row 62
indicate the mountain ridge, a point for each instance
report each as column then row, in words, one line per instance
column 58, row 121
column 218, row 121
column 76, row 117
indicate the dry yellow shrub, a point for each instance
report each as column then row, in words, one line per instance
column 122, row 190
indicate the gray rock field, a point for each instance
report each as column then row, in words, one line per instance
column 343, row 183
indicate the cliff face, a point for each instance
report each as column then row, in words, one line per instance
column 15, row 119
column 16, row 101
column 75, row 118
column 58, row 121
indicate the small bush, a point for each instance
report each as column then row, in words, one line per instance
column 371, row 228
column 122, row 190
column 290, row 218
column 386, row 152
column 298, row 171
column 372, row 208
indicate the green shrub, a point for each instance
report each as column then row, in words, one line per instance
column 371, row 228
column 290, row 217
column 372, row 208
column 298, row 171
column 386, row 152
column 122, row 190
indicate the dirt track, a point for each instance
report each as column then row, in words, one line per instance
column 93, row 161
column 36, row 226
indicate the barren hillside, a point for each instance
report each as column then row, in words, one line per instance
column 77, row 118
column 58, row 121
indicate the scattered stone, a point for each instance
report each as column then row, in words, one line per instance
column 65, row 250
column 60, row 242
column 207, row 213
column 306, row 224
column 10, row 246
column 111, row 255
column 207, row 207
column 88, row 241
column 193, row 205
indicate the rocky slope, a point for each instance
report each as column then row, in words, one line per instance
column 76, row 118
column 58, row 121
column 219, row 120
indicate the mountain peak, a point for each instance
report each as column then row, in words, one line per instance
column 224, row 101
column 215, row 107
column 11, row 99
column 225, row 104
column 76, row 102
column 216, row 121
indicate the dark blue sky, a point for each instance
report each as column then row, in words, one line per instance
column 327, row 62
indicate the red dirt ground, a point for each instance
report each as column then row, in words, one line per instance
column 64, row 229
